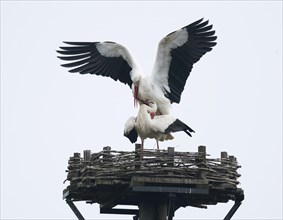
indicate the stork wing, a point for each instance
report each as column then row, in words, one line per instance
column 178, row 125
column 100, row 58
column 176, row 54
column 161, row 122
column 130, row 131
column 167, row 124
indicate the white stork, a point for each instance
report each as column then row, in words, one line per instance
column 148, row 125
column 176, row 54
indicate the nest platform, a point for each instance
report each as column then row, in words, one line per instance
column 161, row 180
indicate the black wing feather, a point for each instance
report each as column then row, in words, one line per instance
column 201, row 40
column 178, row 125
column 132, row 135
column 78, row 57
column 85, row 58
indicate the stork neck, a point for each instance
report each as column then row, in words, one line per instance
column 143, row 112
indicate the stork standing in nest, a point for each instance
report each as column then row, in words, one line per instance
column 148, row 125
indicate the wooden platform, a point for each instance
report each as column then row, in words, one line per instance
column 176, row 179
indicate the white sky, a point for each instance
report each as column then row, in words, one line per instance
column 233, row 98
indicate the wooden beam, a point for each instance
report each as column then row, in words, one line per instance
column 140, row 180
column 168, row 189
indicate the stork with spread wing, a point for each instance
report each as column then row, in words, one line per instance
column 176, row 55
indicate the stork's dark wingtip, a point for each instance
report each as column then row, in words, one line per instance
column 201, row 19
column 190, row 129
column 65, row 65
column 132, row 136
column 63, row 48
column 198, row 21
column 72, row 70
column 60, row 52
column 213, row 44
column 69, row 42
column 188, row 133
column 75, row 43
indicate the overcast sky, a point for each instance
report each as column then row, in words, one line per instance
column 232, row 99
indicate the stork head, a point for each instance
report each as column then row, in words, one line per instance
column 152, row 108
column 152, row 105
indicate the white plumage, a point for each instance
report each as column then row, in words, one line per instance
column 148, row 125
column 176, row 54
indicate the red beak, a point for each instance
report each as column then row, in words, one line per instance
column 136, row 93
column 152, row 114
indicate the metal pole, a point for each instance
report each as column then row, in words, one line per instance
column 171, row 206
column 232, row 210
column 75, row 209
column 153, row 211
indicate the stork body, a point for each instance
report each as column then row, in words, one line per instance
column 176, row 54
column 158, row 127
column 149, row 90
